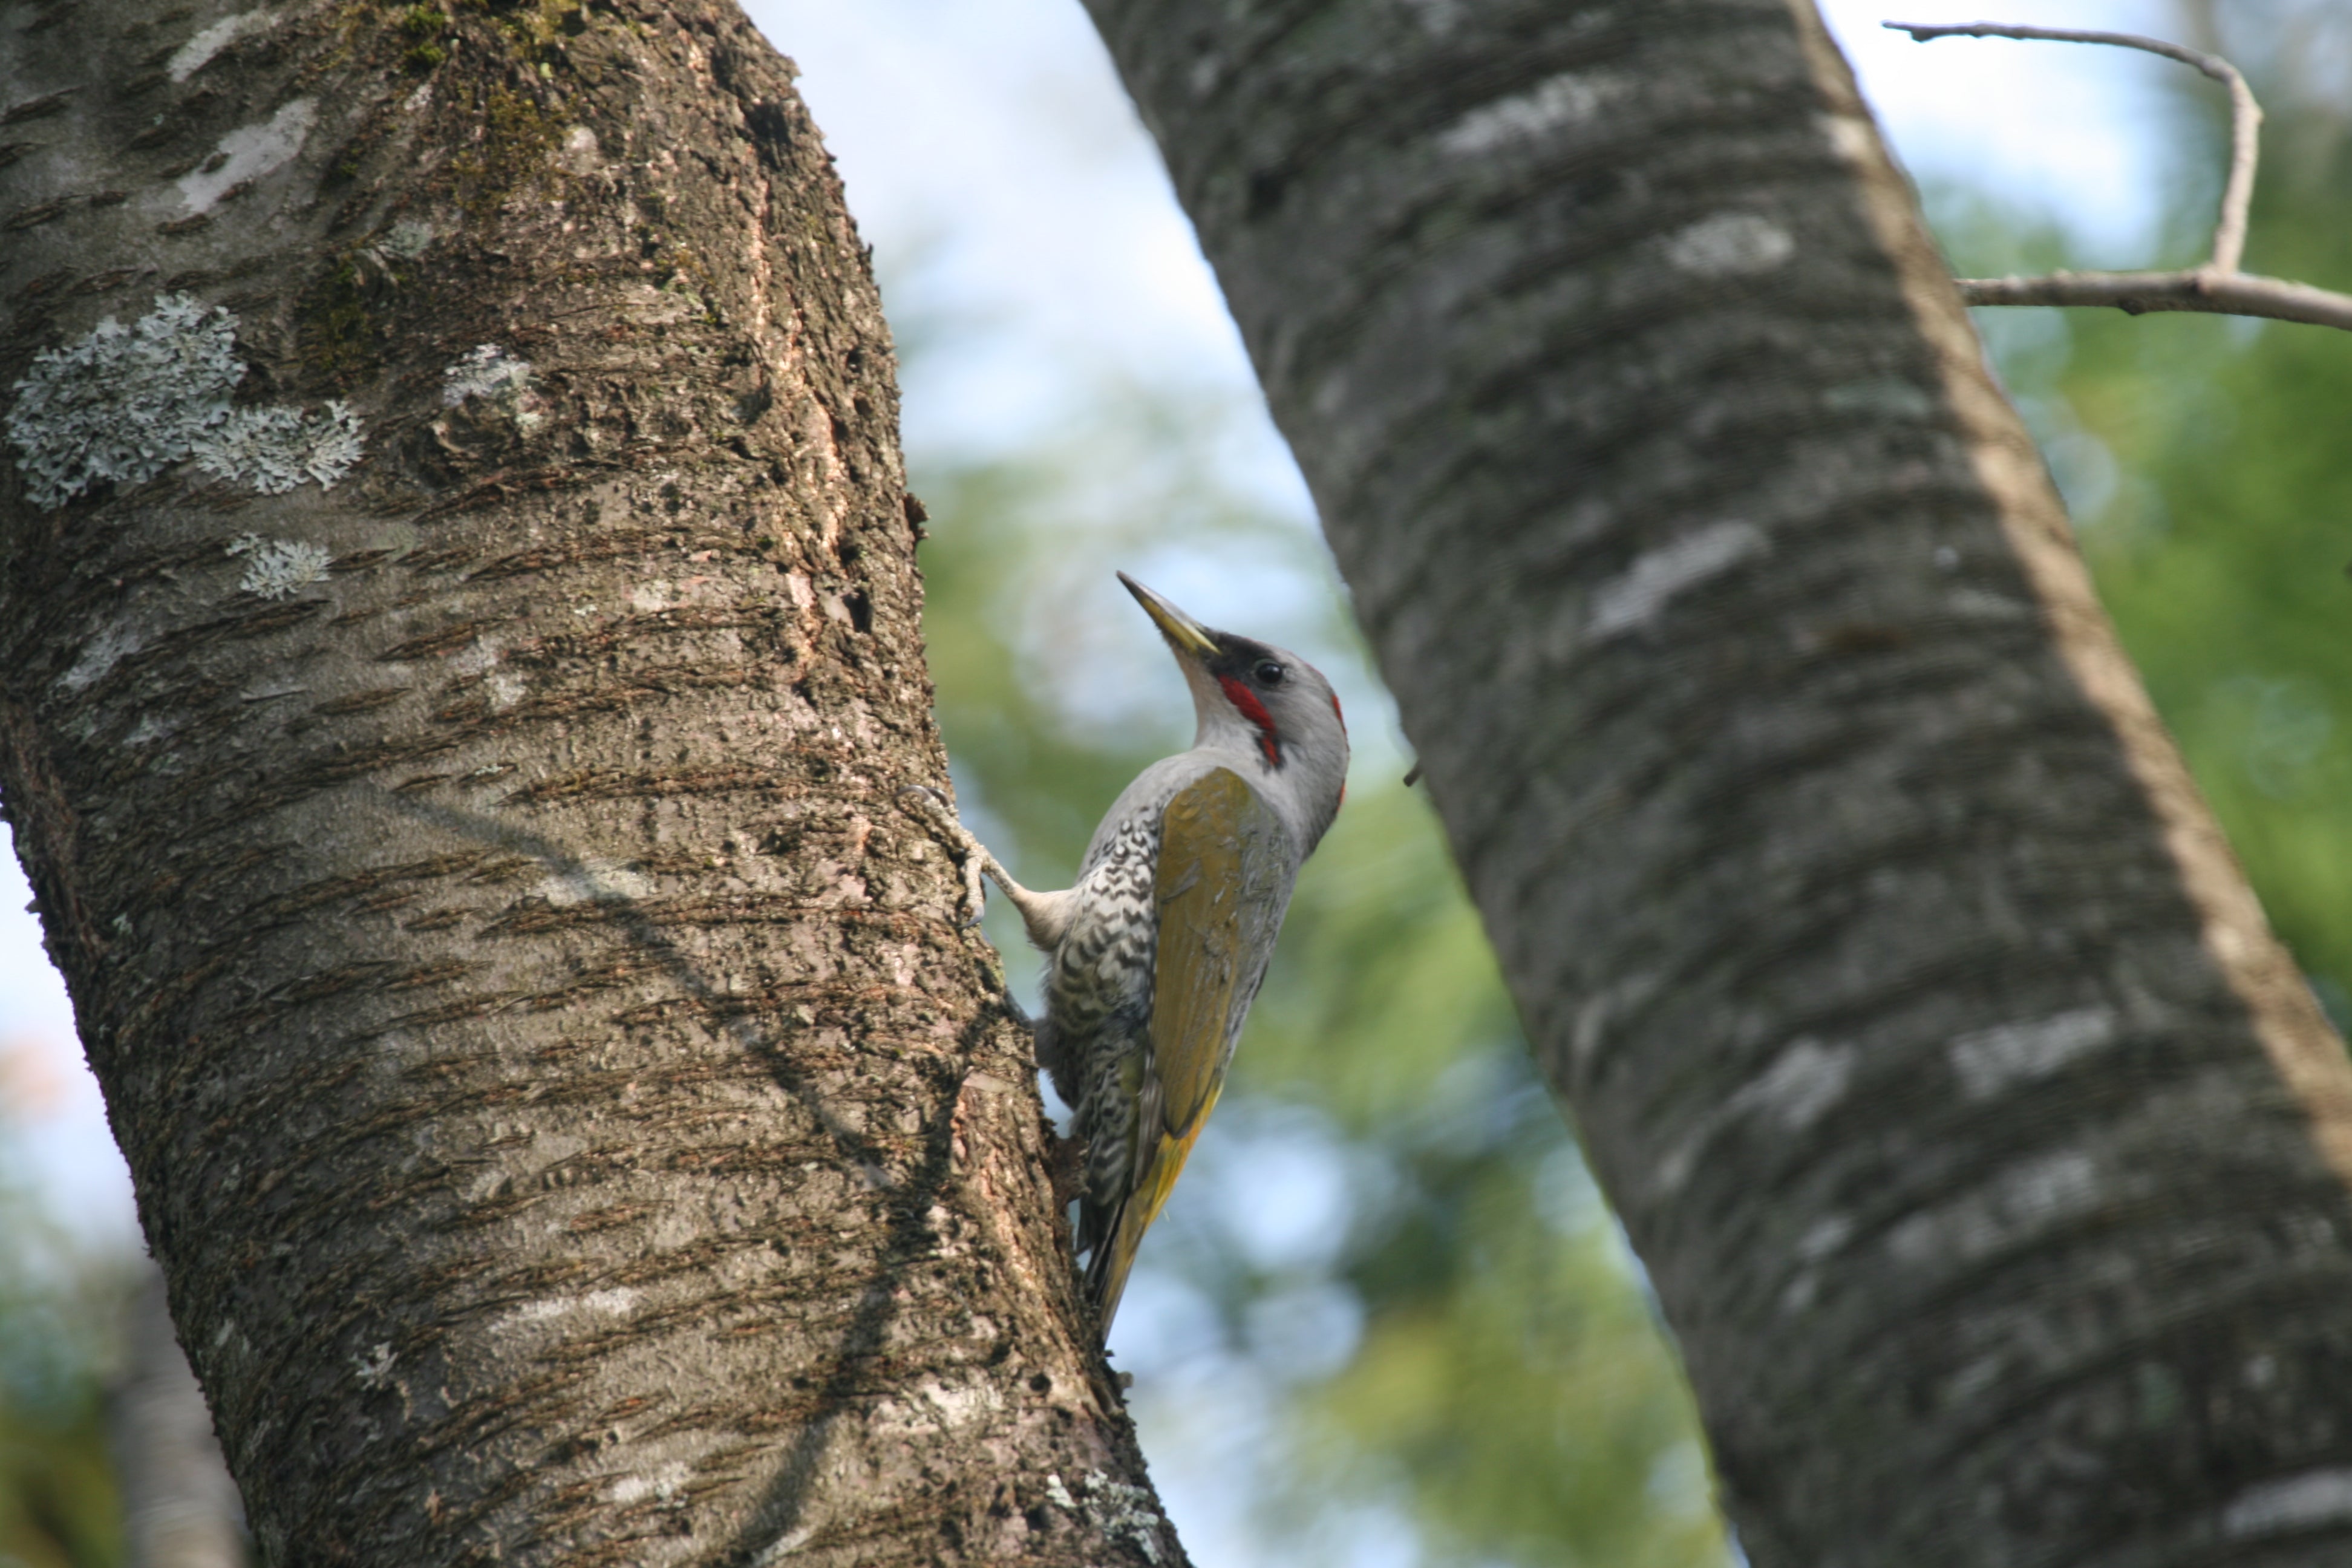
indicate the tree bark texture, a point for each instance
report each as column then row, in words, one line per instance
column 573, row 1121
column 1988, row 1155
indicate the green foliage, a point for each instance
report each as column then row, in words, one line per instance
column 1518, row 1388
column 58, row 1502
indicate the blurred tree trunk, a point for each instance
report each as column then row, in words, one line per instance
column 1988, row 1156
column 569, row 1115
column 179, row 1505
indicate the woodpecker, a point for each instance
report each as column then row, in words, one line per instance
column 1153, row 957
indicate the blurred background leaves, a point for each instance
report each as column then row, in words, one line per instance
column 1387, row 1319
column 59, row 1312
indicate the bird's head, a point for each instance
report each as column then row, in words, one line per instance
column 1262, row 701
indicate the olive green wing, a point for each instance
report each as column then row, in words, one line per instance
column 1222, row 881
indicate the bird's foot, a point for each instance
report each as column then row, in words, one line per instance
column 972, row 859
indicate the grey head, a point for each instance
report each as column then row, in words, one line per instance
column 1262, row 711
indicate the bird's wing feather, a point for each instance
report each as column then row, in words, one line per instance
column 1223, row 881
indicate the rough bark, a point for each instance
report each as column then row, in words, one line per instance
column 1988, row 1155
column 571, row 1121
column 179, row 1505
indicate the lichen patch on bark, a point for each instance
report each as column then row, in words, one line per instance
column 120, row 404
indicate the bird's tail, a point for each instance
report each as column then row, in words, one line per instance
column 1107, row 1267
column 1119, row 1231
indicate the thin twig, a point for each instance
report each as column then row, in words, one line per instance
column 2245, row 114
column 2194, row 289
column 2216, row 288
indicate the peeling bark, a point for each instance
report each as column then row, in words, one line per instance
column 1988, row 1155
column 571, row 1120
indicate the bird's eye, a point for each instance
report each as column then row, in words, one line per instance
column 1269, row 673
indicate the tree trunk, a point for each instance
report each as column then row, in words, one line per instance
column 571, row 1118
column 179, row 1506
column 1988, row 1156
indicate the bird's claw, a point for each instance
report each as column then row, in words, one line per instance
column 966, row 849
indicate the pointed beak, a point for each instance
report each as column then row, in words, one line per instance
column 1185, row 635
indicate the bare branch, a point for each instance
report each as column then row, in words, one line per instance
column 2195, row 289
column 2245, row 114
column 2218, row 287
